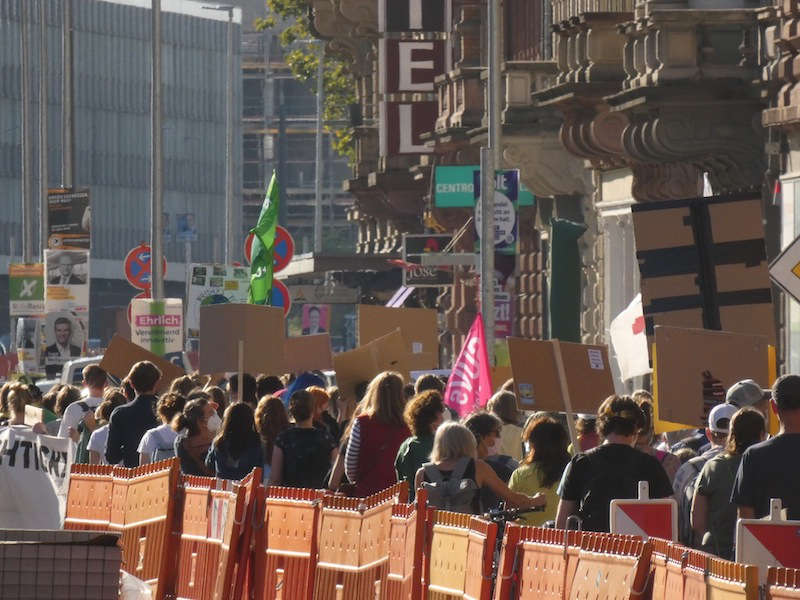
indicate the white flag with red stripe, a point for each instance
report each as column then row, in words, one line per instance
column 628, row 337
column 470, row 384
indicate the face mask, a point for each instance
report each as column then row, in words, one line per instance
column 214, row 423
column 493, row 450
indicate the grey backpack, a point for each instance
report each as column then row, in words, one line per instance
column 455, row 494
column 164, row 450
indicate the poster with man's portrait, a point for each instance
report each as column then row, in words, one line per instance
column 67, row 277
column 69, row 218
column 64, row 339
column 316, row 319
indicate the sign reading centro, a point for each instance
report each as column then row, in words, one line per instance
column 455, row 188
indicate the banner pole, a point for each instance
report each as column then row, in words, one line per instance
column 562, row 380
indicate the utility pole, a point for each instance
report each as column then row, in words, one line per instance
column 156, row 160
column 319, row 171
column 230, row 210
column 27, row 154
column 43, row 112
column 67, row 98
column 490, row 161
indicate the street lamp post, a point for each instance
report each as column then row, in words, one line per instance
column 156, row 161
column 319, row 171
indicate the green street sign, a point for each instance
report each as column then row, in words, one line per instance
column 454, row 188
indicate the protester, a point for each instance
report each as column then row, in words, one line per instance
column 303, row 454
column 129, row 422
column 322, row 418
column 713, row 515
column 338, row 481
column 78, row 421
column 271, row 420
column 96, row 447
column 48, row 403
column 67, row 395
column 644, row 442
column 455, row 475
column 236, row 450
column 195, row 426
column 341, row 407
column 248, row 389
column 487, row 429
column 159, row 443
column 428, row 381
column 182, row 386
column 423, row 415
column 17, row 397
column 302, row 382
column 748, row 393
column 683, row 486
column 765, row 471
column 542, row 467
column 503, row 405
column 586, row 432
column 267, row 385
column 612, row 470
column 376, row 436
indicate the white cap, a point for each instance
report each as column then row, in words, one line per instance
column 718, row 413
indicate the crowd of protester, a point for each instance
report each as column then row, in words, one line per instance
column 306, row 434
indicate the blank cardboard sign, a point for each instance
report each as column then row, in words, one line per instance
column 260, row 327
column 419, row 327
column 387, row 353
column 308, row 353
column 122, row 354
column 536, row 381
column 696, row 366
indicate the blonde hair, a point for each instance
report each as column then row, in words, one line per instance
column 451, row 442
column 384, row 400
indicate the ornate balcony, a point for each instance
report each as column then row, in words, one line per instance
column 782, row 41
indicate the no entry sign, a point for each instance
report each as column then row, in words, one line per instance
column 137, row 267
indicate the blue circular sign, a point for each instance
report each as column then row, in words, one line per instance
column 280, row 296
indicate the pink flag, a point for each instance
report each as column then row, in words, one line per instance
column 470, row 384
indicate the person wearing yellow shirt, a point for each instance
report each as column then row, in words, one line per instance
column 542, row 467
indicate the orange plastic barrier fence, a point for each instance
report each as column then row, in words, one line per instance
column 89, row 498
column 286, row 546
column 658, row 564
column 480, row 558
column 533, row 564
column 198, row 551
column 783, row 584
column 611, row 566
column 406, row 541
column 353, row 546
column 732, row 581
column 694, row 565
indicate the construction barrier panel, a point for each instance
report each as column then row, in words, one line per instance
column 645, row 517
column 480, row 557
column 353, row 545
column 286, row 547
column 89, row 498
column 658, row 565
column 406, row 541
column 533, row 564
column 732, row 581
column 611, row 566
column 783, row 584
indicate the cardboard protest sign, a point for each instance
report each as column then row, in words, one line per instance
column 703, row 264
column 261, row 328
column 387, row 353
column 536, row 379
column 308, row 353
column 34, row 477
column 695, row 367
column 121, row 355
column 419, row 327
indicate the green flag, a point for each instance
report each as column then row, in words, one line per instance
column 263, row 245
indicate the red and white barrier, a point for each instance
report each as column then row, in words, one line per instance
column 645, row 517
column 769, row 542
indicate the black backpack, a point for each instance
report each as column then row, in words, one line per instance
column 455, row 494
column 609, row 482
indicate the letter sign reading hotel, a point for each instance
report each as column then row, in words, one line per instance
column 412, row 54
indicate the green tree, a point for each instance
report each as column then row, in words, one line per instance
column 338, row 82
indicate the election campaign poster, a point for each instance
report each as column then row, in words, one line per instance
column 65, row 335
column 28, row 342
column 26, row 289
column 69, row 219
column 34, row 477
column 67, row 273
column 214, row 284
column 157, row 325
column 316, row 319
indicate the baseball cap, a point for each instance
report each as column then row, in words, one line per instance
column 745, row 393
column 719, row 413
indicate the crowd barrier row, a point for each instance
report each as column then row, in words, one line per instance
column 205, row 538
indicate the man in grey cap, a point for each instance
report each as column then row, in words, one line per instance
column 748, row 393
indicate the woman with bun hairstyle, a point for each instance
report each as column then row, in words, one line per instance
column 194, row 434
column 609, row 471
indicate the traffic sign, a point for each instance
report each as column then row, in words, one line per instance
column 645, row 517
column 280, row 296
column 144, row 294
column 282, row 251
column 137, row 267
column 785, row 270
column 415, row 273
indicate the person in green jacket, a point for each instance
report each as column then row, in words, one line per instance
column 423, row 415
